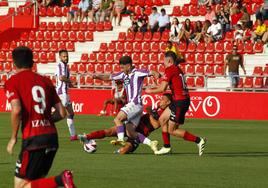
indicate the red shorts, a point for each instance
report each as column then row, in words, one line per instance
column 178, row 110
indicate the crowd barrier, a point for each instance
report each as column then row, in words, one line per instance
column 209, row 105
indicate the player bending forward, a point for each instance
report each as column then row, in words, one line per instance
column 170, row 120
column 148, row 123
column 133, row 81
column 62, row 87
column 31, row 97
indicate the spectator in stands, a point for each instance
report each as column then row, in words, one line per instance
column 176, row 28
column 48, row 3
column 119, row 5
column 134, row 24
column 262, row 13
column 142, row 20
column 106, row 8
column 247, row 32
column 210, row 15
column 163, row 21
column 81, row 13
column 238, row 33
column 94, row 13
column 186, row 31
column 171, row 47
column 205, row 2
column 223, row 18
column 203, row 34
column 259, row 32
column 197, row 30
column 214, row 32
column 153, row 24
column 233, row 61
column 67, row 3
column 245, row 16
column 117, row 99
column 235, row 14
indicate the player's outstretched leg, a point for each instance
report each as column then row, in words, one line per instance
column 147, row 141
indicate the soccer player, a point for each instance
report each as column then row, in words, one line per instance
column 133, row 81
column 62, row 86
column 148, row 123
column 31, row 97
column 171, row 120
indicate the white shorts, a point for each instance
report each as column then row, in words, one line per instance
column 133, row 112
column 65, row 99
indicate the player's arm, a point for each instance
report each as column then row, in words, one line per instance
column 155, row 74
column 63, row 78
column 161, row 88
column 59, row 113
column 15, row 124
column 102, row 77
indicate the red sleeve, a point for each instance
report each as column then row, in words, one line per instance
column 11, row 91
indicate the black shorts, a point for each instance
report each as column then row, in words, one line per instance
column 134, row 143
column 34, row 164
column 178, row 110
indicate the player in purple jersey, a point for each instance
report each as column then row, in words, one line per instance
column 62, row 86
column 132, row 111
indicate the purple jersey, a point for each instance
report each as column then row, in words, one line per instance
column 132, row 83
column 62, row 70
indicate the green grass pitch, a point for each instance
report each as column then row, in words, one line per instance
column 236, row 156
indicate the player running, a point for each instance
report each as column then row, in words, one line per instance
column 133, row 81
column 171, row 120
column 148, row 123
column 31, row 97
column 62, row 86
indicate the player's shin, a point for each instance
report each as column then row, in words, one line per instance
column 51, row 182
column 120, row 132
column 70, row 123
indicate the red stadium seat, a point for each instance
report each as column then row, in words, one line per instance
column 108, row 26
column 24, row 36
column 45, row 46
column 42, row 11
column 92, row 58
column 43, row 26
column 202, row 10
column 90, row 69
column 122, row 37
column 200, row 70
column 155, row 47
column 64, row 36
column 74, row 69
column 137, row 47
column 146, row 47
column 248, row 48
column 91, row 26
column 248, row 82
column 101, row 58
column 54, row 46
column 182, row 47
column 89, row 81
column 51, row 57
column 165, row 36
column 103, row 47
column 163, row 47
column 219, row 59
column 190, row 69
column 129, row 47
column 7, row 67
column 100, row 26
column 145, row 58
column 209, row 70
column 32, row 36
column 40, row 36
column 201, row 47
column 37, row 46
column 219, row 71
column 210, row 47
column 43, row 58
column 50, row 11
column 99, row 69
column 240, row 48
column 51, row 26
column 161, row 69
column 75, row 26
column 62, row 45
column 138, row 37
column 185, row 10
column 57, row 11
column 257, row 71
column 154, row 58
column 110, row 58
column 190, row 58
column 89, row 36
column 258, row 47
column 116, row 68
column 5, row 46
column 72, row 36
column 209, row 59
column 147, row 36
column 120, row 47
column 136, row 58
column 200, row 82
column 219, row 48
column 82, row 68
column 258, row 83
column 265, row 71
column 83, row 26
column 190, row 81
column 9, row 57
column 229, row 36
column 200, row 59
column 191, row 47
column 81, row 36
column 130, row 37
column 193, row 10
column 112, row 47
column 108, row 68
column 2, row 57
column 229, row 47
column 156, row 37
column 13, row 45
column 176, row 11
column 66, row 26
column 58, row 26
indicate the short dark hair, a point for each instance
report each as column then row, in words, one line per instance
column 171, row 55
column 125, row 60
column 63, row 51
column 169, row 96
column 163, row 10
column 154, row 8
column 23, row 57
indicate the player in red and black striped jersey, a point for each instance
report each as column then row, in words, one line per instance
column 31, row 97
column 148, row 123
column 172, row 118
